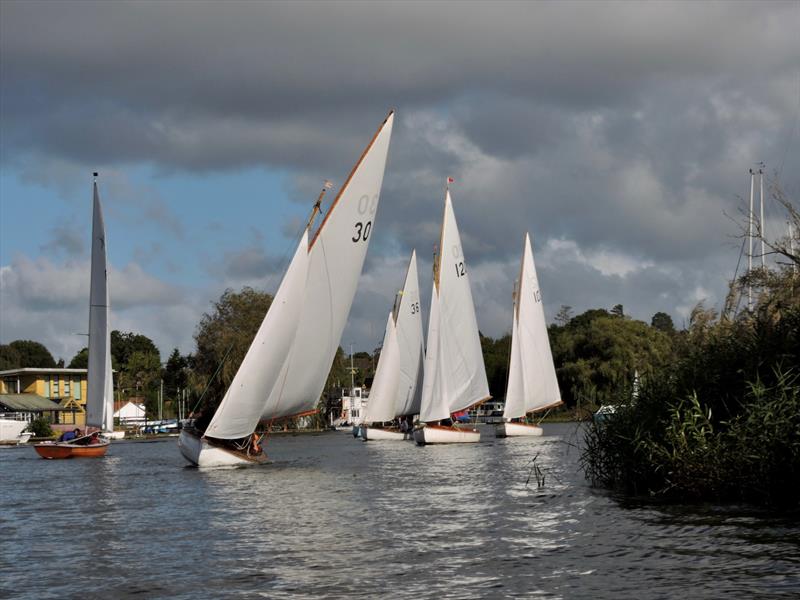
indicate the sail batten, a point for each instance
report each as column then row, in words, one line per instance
column 532, row 383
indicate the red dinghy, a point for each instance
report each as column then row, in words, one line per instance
column 69, row 450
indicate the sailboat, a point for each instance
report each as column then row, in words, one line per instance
column 454, row 376
column 100, row 396
column 284, row 370
column 397, row 388
column 532, row 384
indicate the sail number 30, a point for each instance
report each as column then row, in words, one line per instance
column 362, row 231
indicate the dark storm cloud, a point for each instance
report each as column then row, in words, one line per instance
column 621, row 131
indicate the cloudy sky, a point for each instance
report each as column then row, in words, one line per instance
column 619, row 134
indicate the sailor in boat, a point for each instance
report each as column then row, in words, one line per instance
column 70, row 435
column 249, row 445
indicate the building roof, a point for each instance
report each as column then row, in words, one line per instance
column 27, row 403
column 42, row 371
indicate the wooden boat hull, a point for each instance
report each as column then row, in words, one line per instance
column 202, row 452
column 441, row 434
column 517, row 430
column 56, row 450
column 370, row 434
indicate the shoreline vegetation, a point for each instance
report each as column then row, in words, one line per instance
column 720, row 422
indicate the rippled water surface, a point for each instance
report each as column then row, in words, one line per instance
column 334, row 517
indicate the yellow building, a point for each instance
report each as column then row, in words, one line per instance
column 66, row 387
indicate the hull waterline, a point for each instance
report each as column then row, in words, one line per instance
column 441, row 434
column 56, row 450
column 374, row 434
column 203, row 453
column 518, row 430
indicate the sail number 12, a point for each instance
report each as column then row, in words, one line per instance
column 460, row 272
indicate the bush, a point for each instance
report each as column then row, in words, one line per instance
column 40, row 427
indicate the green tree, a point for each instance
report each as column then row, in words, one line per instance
column 617, row 311
column 80, row 360
column 33, row 354
column 9, row 358
column 124, row 344
column 223, row 337
column 175, row 375
column 564, row 315
column 663, row 322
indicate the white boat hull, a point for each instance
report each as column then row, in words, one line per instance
column 440, row 434
column 199, row 452
column 114, row 435
column 518, row 430
column 11, row 431
column 370, row 434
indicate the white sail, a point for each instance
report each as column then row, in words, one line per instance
column 411, row 343
column 396, row 389
column 532, row 383
column 382, row 395
column 455, row 376
column 100, row 392
column 336, row 256
column 243, row 403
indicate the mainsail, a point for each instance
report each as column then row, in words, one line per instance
column 397, row 387
column 100, row 392
column 532, row 383
column 336, row 256
column 455, row 376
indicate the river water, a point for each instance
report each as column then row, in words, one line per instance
column 335, row 517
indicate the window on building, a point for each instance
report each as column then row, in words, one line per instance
column 55, row 386
column 76, row 387
column 66, row 386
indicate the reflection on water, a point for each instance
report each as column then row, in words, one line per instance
column 332, row 516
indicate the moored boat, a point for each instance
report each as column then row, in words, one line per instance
column 100, row 395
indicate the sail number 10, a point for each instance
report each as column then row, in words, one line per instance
column 362, row 231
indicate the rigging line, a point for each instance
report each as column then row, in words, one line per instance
column 211, row 379
column 735, row 275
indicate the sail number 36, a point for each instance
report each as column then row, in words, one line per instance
column 414, row 308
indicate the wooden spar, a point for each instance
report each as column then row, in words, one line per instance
column 305, row 413
column 349, row 177
column 315, row 211
column 541, row 408
column 478, row 403
column 437, row 259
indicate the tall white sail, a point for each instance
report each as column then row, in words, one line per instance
column 455, row 376
column 411, row 342
column 336, row 256
column 100, row 391
column 243, row 403
column 397, row 387
column 381, row 405
column 532, row 383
